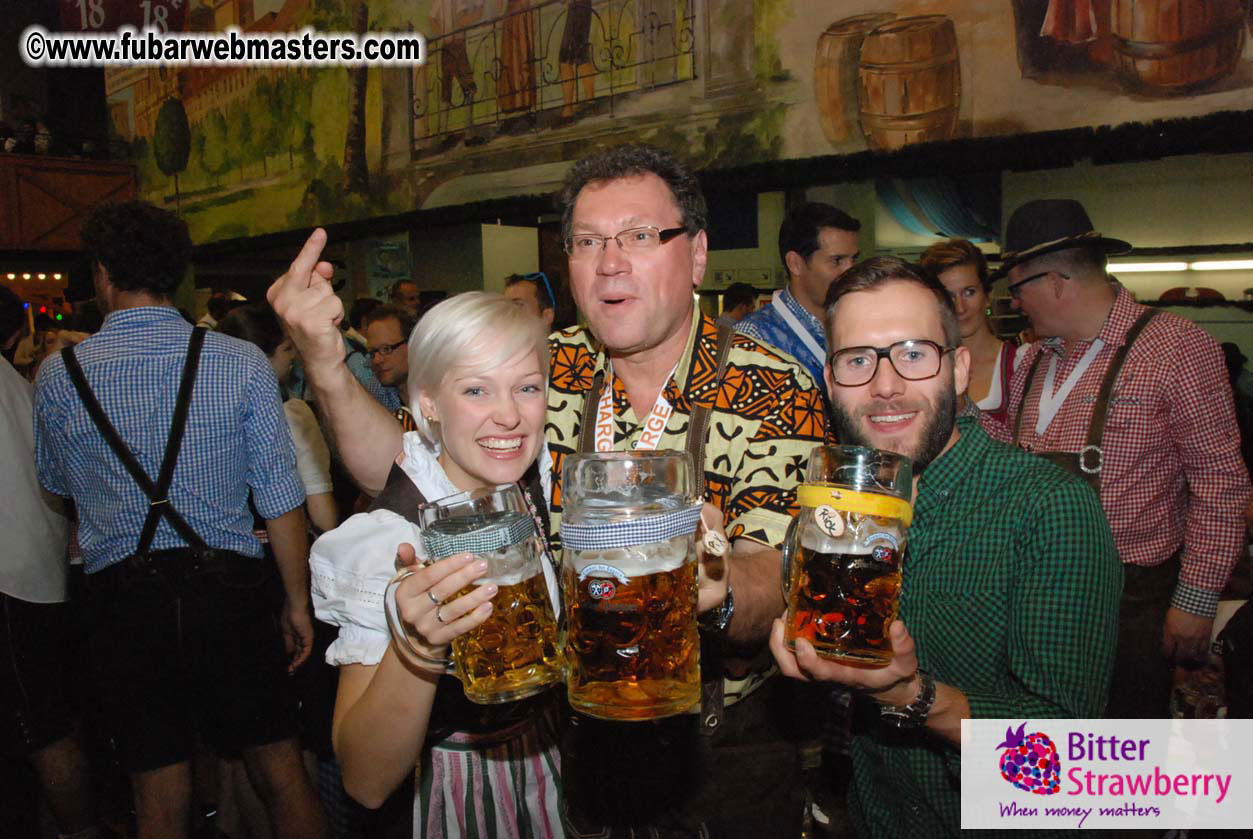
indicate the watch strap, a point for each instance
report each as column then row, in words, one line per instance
column 913, row 715
column 718, row 618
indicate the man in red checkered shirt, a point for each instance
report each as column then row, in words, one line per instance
column 1137, row 402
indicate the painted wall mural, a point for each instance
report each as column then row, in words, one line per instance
column 515, row 89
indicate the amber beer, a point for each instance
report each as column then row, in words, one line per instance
column 843, row 602
column 515, row 651
column 842, row 554
column 632, row 649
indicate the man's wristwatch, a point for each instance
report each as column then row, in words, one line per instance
column 913, row 715
column 718, row 618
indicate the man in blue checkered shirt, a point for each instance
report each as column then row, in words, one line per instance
column 181, row 611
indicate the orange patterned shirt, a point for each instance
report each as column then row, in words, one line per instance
column 767, row 417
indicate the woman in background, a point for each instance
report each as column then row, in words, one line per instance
column 963, row 270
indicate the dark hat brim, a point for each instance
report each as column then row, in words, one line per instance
column 1111, row 247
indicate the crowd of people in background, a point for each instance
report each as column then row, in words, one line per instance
column 171, row 478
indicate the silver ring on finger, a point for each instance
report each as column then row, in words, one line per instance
column 438, row 617
column 434, row 599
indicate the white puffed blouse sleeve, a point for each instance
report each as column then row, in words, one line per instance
column 349, row 568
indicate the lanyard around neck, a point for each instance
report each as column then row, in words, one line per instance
column 654, row 425
column 1050, row 401
column 796, row 326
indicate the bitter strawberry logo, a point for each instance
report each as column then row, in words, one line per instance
column 1030, row 761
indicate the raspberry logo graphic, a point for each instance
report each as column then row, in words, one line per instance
column 1030, row 762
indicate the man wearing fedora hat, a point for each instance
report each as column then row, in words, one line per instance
column 1135, row 401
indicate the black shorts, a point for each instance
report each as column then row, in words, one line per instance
column 190, row 646
column 37, row 705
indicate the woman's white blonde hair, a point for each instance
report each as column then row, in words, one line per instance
column 483, row 325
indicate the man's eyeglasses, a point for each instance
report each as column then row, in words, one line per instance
column 1015, row 289
column 912, row 360
column 385, row 349
column 632, row 240
column 540, row 277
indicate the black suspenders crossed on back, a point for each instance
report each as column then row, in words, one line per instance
column 159, row 503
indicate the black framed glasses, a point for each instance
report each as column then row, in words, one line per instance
column 631, row 240
column 385, row 349
column 912, row 360
column 539, row 277
column 1015, row 289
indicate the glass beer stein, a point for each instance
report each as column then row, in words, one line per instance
column 516, row 652
column 842, row 554
column 629, row 579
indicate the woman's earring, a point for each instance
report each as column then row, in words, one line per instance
column 429, row 420
column 988, row 311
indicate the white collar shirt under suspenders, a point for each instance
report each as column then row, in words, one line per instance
column 1051, row 400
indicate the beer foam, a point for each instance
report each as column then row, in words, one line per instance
column 509, row 579
column 636, row 561
column 511, row 565
column 814, row 539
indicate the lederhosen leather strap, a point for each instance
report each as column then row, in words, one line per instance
column 1077, row 462
column 159, row 504
column 711, row 694
column 587, row 419
column 400, row 495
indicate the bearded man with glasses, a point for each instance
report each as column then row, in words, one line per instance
column 1010, row 581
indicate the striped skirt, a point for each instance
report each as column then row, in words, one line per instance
column 503, row 785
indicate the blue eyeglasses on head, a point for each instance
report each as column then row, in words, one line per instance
column 540, row 277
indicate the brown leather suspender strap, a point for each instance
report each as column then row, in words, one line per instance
column 698, row 422
column 1100, row 410
column 1026, row 391
column 587, row 419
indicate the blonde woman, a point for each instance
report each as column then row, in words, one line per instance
column 478, row 369
column 963, row 270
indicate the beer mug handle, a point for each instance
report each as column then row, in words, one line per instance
column 397, row 626
column 788, row 550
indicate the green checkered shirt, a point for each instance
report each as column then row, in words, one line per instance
column 1010, row 589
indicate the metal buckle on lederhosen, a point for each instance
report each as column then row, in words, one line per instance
column 1083, row 459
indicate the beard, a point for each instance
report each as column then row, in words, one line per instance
column 935, row 434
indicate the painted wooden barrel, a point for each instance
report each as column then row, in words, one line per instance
column 1175, row 46
column 909, row 82
column 835, row 73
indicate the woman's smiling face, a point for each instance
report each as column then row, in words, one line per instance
column 490, row 419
